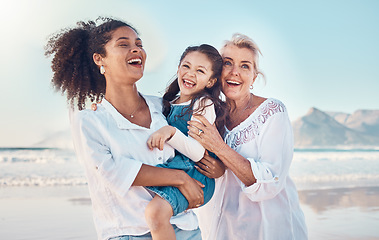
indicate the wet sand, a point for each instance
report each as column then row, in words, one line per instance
column 65, row 213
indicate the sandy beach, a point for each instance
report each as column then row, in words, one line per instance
column 61, row 212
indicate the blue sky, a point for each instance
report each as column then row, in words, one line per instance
column 322, row 54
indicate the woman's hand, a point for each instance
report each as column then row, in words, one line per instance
column 206, row 134
column 158, row 138
column 157, row 176
column 192, row 191
column 210, row 166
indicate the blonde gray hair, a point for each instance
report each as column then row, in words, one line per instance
column 242, row 41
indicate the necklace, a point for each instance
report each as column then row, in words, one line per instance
column 135, row 110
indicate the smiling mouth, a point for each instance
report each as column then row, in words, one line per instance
column 135, row 61
column 233, row 83
column 188, row 83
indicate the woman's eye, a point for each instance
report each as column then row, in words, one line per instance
column 227, row 63
column 245, row 66
column 123, row 45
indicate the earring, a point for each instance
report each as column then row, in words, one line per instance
column 102, row 70
column 251, row 87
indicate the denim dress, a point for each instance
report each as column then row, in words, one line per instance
column 172, row 194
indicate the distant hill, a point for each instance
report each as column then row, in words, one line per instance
column 335, row 129
column 363, row 121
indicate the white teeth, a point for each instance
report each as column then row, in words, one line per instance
column 189, row 82
column 135, row 60
column 233, row 82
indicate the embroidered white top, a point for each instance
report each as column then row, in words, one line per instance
column 268, row 209
column 112, row 150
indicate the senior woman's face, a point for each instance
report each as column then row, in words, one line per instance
column 238, row 72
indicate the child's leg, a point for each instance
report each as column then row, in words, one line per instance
column 158, row 213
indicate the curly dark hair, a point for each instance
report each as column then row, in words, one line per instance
column 213, row 93
column 75, row 72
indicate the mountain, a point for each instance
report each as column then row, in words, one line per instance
column 363, row 121
column 335, row 129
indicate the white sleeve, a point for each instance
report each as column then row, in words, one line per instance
column 275, row 146
column 117, row 173
column 186, row 144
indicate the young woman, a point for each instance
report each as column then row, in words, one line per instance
column 94, row 62
column 196, row 90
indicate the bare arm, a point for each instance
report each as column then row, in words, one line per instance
column 212, row 141
column 155, row 176
column 210, row 167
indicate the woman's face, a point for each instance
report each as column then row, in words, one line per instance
column 125, row 57
column 238, row 72
column 194, row 74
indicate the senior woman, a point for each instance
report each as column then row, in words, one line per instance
column 255, row 198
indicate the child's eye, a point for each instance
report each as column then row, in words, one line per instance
column 185, row 66
column 201, row 71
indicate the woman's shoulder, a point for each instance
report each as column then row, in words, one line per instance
column 153, row 101
column 271, row 106
column 269, row 109
column 87, row 116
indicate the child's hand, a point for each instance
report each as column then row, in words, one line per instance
column 157, row 139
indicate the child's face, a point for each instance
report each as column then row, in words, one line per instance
column 194, row 74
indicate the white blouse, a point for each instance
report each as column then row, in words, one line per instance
column 269, row 209
column 112, row 151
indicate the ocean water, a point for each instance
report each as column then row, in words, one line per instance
column 311, row 169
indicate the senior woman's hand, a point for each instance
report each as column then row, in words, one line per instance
column 210, row 166
column 206, row 134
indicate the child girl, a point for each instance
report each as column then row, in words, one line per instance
column 196, row 90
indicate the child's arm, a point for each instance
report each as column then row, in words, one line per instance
column 187, row 145
column 158, row 138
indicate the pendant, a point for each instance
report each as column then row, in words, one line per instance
column 131, row 116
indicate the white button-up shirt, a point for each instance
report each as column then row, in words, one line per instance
column 112, row 150
column 269, row 209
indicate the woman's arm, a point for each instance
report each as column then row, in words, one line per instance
column 120, row 173
column 210, row 167
column 212, row 141
column 271, row 166
column 155, row 176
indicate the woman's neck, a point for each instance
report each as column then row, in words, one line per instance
column 125, row 99
column 241, row 104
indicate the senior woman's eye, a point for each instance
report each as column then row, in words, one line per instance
column 227, row 63
column 245, row 66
